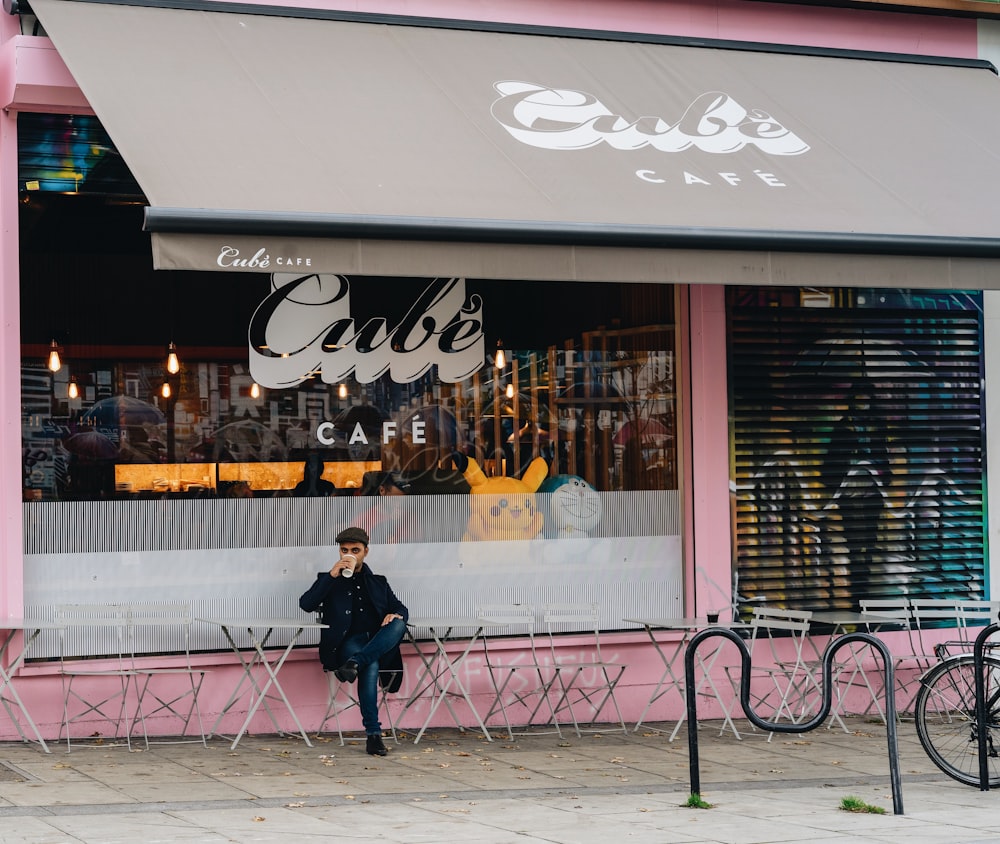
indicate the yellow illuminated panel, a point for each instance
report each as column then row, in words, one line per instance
column 205, row 477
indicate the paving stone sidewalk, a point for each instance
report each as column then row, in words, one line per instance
column 454, row 786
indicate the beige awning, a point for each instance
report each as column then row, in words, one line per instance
column 387, row 148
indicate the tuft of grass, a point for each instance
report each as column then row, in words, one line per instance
column 857, row 805
column 695, row 802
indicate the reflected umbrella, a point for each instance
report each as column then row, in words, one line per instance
column 119, row 412
column 248, row 442
column 91, row 445
column 363, row 424
column 368, row 416
column 651, row 432
column 843, row 364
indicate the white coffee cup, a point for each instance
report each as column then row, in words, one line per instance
column 349, row 558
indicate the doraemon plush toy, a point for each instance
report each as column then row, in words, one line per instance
column 502, row 508
column 575, row 507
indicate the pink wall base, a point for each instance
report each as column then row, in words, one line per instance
column 305, row 684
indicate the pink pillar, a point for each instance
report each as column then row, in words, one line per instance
column 709, row 521
column 11, row 545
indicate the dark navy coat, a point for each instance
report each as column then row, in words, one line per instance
column 331, row 596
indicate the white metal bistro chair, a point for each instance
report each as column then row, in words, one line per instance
column 521, row 681
column 583, row 681
column 123, row 691
column 929, row 613
column 95, row 691
column 910, row 659
column 342, row 698
column 973, row 616
column 783, row 682
column 154, row 627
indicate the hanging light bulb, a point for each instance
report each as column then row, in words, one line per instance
column 342, row 392
column 173, row 364
column 510, row 391
column 73, row 391
column 55, row 364
column 255, row 390
column 165, row 390
column 501, row 359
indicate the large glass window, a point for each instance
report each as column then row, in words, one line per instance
column 586, row 383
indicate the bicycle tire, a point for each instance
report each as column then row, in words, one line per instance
column 945, row 715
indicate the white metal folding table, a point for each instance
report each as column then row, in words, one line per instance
column 839, row 621
column 441, row 670
column 9, row 628
column 260, row 631
column 669, row 680
column 672, row 678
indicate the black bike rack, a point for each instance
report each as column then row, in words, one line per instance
column 805, row 726
column 982, row 729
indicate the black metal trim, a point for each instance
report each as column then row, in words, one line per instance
column 533, row 232
column 901, row 8
column 553, row 31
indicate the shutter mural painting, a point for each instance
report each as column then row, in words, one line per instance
column 857, row 445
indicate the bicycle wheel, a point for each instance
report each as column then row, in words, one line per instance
column 945, row 714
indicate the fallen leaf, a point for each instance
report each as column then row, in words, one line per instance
column 349, row 797
column 298, row 805
column 258, row 818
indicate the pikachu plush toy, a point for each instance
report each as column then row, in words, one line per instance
column 502, row 508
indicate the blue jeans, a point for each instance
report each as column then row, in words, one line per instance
column 365, row 649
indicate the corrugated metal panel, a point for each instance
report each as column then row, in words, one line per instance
column 857, row 450
column 68, row 527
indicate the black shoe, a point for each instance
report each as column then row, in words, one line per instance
column 348, row 672
column 376, row 747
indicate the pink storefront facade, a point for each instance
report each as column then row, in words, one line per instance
column 699, row 547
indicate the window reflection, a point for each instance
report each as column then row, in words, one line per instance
column 596, row 404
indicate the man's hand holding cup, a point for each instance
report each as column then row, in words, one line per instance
column 344, row 567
